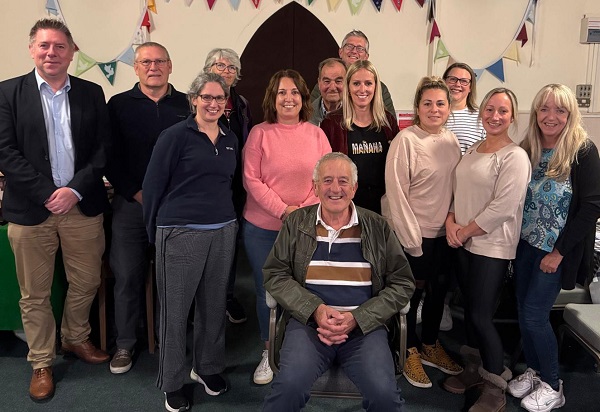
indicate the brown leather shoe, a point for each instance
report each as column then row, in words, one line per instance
column 87, row 352
column 41, row 387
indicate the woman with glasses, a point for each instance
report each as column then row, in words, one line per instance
column 236, row 117
column 189, row 215
column 418, row 182
column 279, row 158
column 484, row 225
column 557, row 237
column 464, row 120
column 363, row 130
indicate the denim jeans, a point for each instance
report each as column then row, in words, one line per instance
column 258, row 243
column 536, row 293
column 366, row 360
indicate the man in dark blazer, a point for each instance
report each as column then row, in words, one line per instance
column 53, row 133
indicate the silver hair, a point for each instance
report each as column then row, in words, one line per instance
column 336, row 156
column 229, row 54
column 356, row 33
column 151, row 44
column 199, row 83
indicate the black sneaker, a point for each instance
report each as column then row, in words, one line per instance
column 213, row 384
column 176, row 401
column 235, row 311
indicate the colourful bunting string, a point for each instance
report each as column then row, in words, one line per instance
column 377, row 4
column 109, row 70
column 333, row 4
column 256, row 3
column 235, row 4
column 441, row 51
column 478, row 73
column 211, row 3
column 152, row 6
column 398, row 4
column 421, row 2
column 83, row 64
column 522, row 36
column 435, row 32
column 355, row 5
column 531, row 11
column 497, row 69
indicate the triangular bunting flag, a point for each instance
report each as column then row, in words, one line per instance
column 109, row 70
column 84, row 63
column 397, row 3
column 531, row 11
column 522, row 36
column 441, row 51
column 310, row 2
column 333, row 4
column 355, row 5
column 152, row 6
column 127, row 56
column 146, row 21
column 377, row 4
column 512, row 53
column 188, row 2
column 76, row 47
column 52, row 7
column 497, row 69
column 235, row 4
column 421, row 2
column 431, row 12
column 140, row 36
column 435, row 32
column 478, row 73
column 211, row 3
column 450, row 62
column 256, row 3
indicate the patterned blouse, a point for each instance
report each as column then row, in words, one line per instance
column 546, row 206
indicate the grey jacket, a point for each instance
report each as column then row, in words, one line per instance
column 286, row 266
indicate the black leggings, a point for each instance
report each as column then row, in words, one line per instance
column 433, row 268
column 480, row 279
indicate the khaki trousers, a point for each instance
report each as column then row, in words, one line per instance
column 34, row 247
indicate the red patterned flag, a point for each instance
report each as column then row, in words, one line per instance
column 211, row 3
column 146, row 21
column 421, row 2
column 522, row 36
column 435, row 32
column 397, row 3
column 256, row 3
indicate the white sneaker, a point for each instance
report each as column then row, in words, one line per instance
column 420, row 311
column 263, row 373
column 523, row 384
column 544, row 398
column 446, row 323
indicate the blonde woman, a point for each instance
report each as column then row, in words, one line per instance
column 557, row 237
column 363, row 130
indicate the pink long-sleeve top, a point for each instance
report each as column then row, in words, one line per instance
column 278, row 164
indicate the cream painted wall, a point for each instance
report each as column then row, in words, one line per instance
column 473, row 31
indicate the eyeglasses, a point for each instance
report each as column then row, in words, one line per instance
column 222, row 66
column 157, row 62
column 351, row 47
column 207, row 98
column 454, row 80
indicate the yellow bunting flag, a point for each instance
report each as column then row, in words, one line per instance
column 513, row 52
column 152, row 6
column 333, row 4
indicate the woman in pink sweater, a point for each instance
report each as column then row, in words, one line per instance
column 279, row 158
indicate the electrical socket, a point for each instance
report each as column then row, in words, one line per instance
column 583, row 93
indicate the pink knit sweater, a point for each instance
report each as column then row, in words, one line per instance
column 278, row 165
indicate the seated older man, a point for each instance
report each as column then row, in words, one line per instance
column 339, row 273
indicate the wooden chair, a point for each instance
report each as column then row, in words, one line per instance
column 334, row 383
column 149, row 288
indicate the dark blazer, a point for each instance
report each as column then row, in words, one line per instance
column 24, row 157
